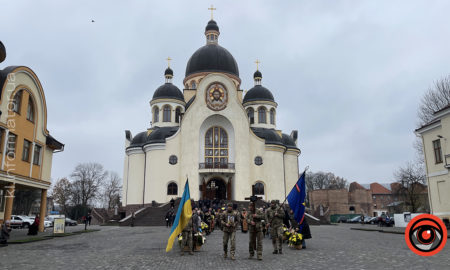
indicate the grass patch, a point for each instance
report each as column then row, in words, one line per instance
column 87, row 231
column 29, row 240
column 61, row 234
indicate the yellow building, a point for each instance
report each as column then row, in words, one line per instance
column 435, row 137
column 26, row 147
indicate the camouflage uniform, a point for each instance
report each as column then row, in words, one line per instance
column 187, row 238
column 229, row 232
column 275, row 215
column 256, row 232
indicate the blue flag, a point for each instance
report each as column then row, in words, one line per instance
column 184, row 213
column 296, row 200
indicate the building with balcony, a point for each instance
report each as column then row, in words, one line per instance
column 26, row 146
column 435, row 138
column 226, row 143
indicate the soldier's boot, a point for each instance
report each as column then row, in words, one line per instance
column 251, row 256
column 232, row 257
column 280, row 251
column 275, row 252
column 191, row 253
column 259, row 257
column 225, row 255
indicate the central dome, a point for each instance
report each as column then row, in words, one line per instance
column 212, row 58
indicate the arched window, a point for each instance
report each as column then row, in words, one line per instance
column 30, row 110
column 155, row 114
column 16, row 101
column 259, row 188
column 216, row 148
column 251, row 115
column 272, row 116
column 193, row 85
column 172, row 189
column 177, row 115
column 262, row 115
column 166, row 113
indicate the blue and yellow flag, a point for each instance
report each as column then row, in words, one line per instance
column 184, row 213
column 296, row 199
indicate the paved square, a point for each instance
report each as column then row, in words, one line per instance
column 332, row 247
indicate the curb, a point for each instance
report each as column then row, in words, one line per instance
column 48, row 237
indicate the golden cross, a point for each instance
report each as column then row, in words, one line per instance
column 212, row 9
column 257, row 63
column 168, row 61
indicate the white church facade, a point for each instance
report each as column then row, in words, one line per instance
column 225, row 143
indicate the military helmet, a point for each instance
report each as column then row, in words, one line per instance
column 230, row 205
column 273, row 201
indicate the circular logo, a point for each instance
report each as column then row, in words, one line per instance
column 216, row 97
column 426, row 235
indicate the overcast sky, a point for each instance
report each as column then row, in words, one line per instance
column 348, row 75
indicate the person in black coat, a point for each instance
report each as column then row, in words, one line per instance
column 306, row 232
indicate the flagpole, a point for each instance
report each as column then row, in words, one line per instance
column 282, row 204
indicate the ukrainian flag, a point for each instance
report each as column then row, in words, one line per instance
column 184, row 213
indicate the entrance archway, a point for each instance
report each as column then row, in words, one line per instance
column 215, row 188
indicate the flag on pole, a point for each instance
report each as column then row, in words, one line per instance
column 296, row 199
column 184, row 213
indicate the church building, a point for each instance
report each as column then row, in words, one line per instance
column 226, row 143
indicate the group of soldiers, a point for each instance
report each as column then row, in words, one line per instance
column 256, row 220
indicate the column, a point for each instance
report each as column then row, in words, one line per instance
column 9, row 200
column 43, row 209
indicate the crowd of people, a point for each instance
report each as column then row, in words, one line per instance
column 267, row 221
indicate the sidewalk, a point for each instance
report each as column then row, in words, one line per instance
column 20, row 235
column 375, row 228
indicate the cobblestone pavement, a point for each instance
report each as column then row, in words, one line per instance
column 332, row 247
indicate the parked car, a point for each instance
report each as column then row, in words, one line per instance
column 342, row 219
column 354, row 220
column 16, row 222
column 71, row 222
column 372, row 220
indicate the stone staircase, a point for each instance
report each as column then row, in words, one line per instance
column 155, row 215
column 150, row 216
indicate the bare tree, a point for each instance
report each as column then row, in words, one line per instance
column 323, row 180
column 436, row 98
column 62, row 192
column 112, row 189
column 87, row 179
column 412, row 181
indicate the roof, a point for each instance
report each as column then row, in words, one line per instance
column 212, row 25
column 271, row 136
column 2, row 52
column 212, row 58
column 157, row 135
column 354, row 186
column 258, row 93
column 190, row 101
column 377, row 188
column 53, row 143
column 168, row 90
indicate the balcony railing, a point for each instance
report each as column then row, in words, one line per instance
column 216, row 165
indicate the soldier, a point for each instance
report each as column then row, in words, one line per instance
column 187, row 238
column 254, row 219
column 229, row 221
column 274, row 217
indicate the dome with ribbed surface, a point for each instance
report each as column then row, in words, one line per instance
column 258, row 93
column 169, row 91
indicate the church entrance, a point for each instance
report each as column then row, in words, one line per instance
column 215, row 189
